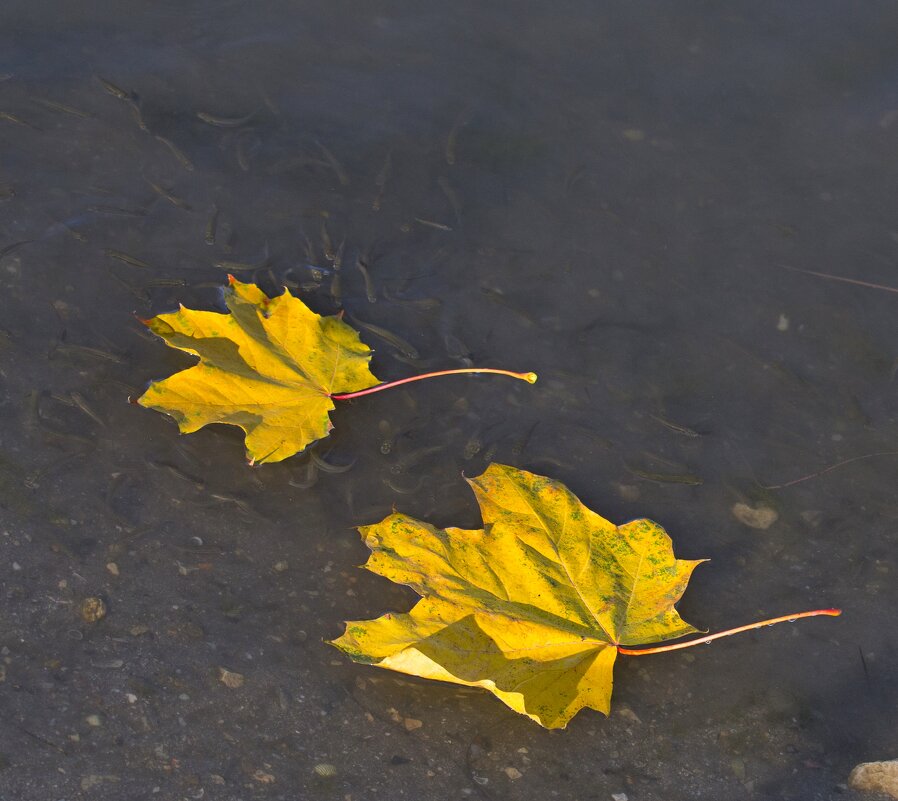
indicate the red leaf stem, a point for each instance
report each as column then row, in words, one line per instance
column 529, row 377
column 689, row 643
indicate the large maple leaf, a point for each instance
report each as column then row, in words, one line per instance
column 533, row 606
column 270, row 366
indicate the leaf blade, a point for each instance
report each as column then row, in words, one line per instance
column 268, row 366
column 532, row 606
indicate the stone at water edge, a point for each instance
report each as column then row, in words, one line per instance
column 876, row 777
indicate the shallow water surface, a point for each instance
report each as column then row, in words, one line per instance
column 607, row 195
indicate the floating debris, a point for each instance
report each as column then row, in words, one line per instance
column 679, row 429
column 127, row 259
column 52, row 104
column 370, row 292
column 167, row 195
column 225, row 122
column 179, row 154
column 405, row 348
column 431, row 224
column 117, row 91
column 10, row 117
column 14, row 247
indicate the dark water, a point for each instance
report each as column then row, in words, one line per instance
column 627, row 182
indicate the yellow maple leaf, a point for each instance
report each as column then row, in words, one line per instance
column 533, row 606
column 270, row 366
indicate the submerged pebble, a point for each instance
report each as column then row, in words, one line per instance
column 760, row 516
column 876, row 777
column 92, row 609
column 230, row 679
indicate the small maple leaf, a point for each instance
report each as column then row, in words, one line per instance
column 269, row 367
column 534, row 607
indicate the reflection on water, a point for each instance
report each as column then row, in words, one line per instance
column 605, row 196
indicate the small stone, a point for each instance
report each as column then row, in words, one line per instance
column 876, row 777
column 112, row 567
column 93, row 720
column 618, row 797
column 263, row 777
column 131, row 698
column 325, row 770
column 412, row 723
column 230, row 679
column 137, row 631
column 281, row 566
column 783, row 323
column 513, row 773
column 760, row 517
column 92, row 609
column 627, row 714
